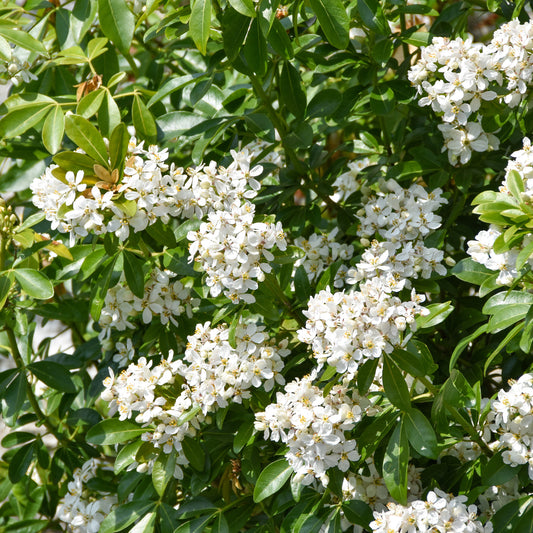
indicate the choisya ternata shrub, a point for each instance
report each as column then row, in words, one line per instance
column 266, row 267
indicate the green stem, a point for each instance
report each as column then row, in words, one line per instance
column 290, row 153
column 429, row 386
column 31, row 396
column 3, row 246
column 471, row 430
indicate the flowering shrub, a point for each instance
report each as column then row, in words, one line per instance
column 266, row 267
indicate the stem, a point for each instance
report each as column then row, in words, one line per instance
column 282, row 130
column 31, row 396
column 467, row 426
column 405, row 46
column 3, row 246
column 429, row 386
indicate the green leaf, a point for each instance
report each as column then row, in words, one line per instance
column 5, row 50
column 21, row 119
column 146, row 524
column 220, row 525
column 6, row 282
column 109, row 116
column 507, row 300
column 200, row 23
column 194, row 453
column 34, row 283
column 96, row 47
column 117, row 23
column 279, row 40
column 471, row 272
column 113, row 431
column 372, row 16
column 271, row 479
column 496, row 472
column 334, row 21
column 87, row 137
column 255, row 49
column 507, row 517
column 177, row 123
column 524, row 255
column 17, row 437
column 126, row 456
column 394, row 384
column 245, row 7
column 54, row 129
column 133, row 270
column 365, row 375
column 20, row 462
column 515, row 183
column 243, row 435
column 118, row 147
column 358, row 512
column 291, row 92
column 463, row 343
column 143, row 120
column 125, row 515
column 324, row 103
column 395, row 464
column 437, row 314
column 89, row 105
column 420, row 433
column 15, row 395
column 24, row 40
column 163, row 471
column 53, row 374
column 382, row 99
column 172, row 85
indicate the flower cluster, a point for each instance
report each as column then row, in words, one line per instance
column 235, row 251
column 511, row 417
column 440, row 512
column 163, row 297
column 347, row 329
column 16, row 69
column 347, row 183
column 150, row 190
column 320, row 252
column 403, row 218
column 313, row 426
column 82, row 510
column 369, row 486
column 172, row 399
column 481, row 249
column 455, row 77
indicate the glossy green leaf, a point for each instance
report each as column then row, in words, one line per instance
column 279, row 40
column 20, row 120
column 113, row 431
column 291, row 92
column 163, row 471
column 53, row 374
column 255, row 49
column 470, row 271
column 109, row 115
column 118, row 147
column 89, row 105
column 87, row 137
column 200, row 23
column 15, row 395
column 394, row 384
column 420, row 433
column 437, row 314
column 54, row 129
column 20, row 462
column 371, row 14
column 117, row 23
column 125, row 515
column 324, row 103
column 245, row 7
column 23, row 39
column 6, row 282
column 497, row 472
column 143, row 120
column 271, row 479
column 395, row 464
column 357, row 512
column 133, row 270
column 194, row 453
column 334, row 21
column 34, row 283
column 126, row 455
